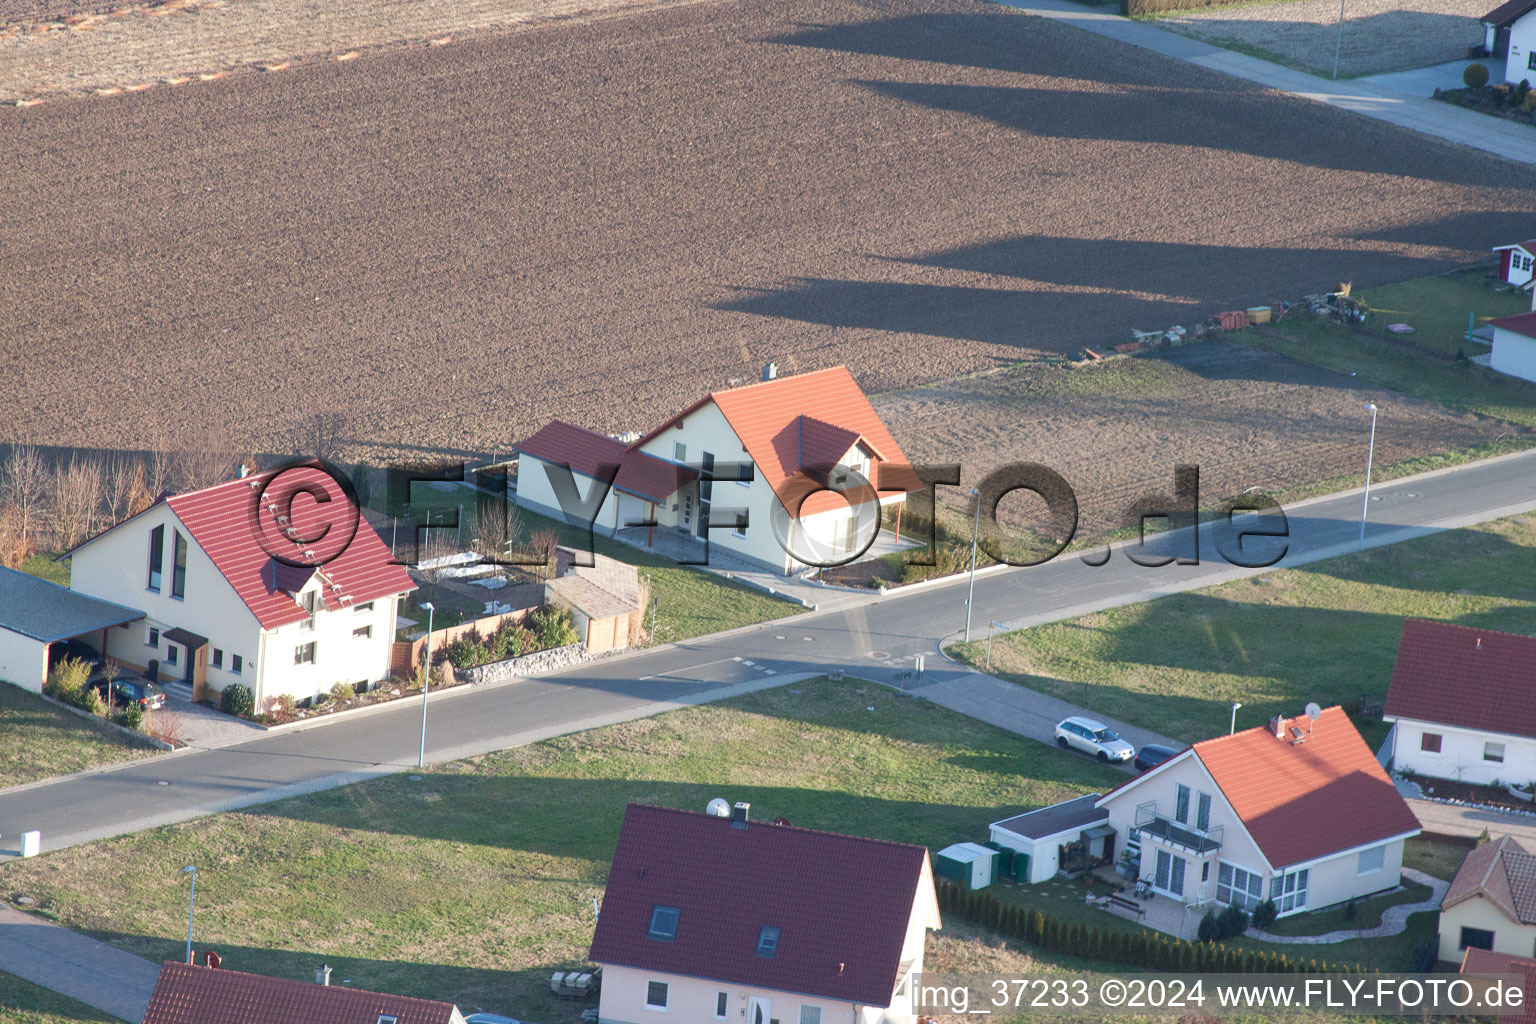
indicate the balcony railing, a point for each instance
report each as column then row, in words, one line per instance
column 1173, row 833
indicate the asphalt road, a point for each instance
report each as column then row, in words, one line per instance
column 878, row 641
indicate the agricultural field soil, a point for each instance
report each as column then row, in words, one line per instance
column 1379, row 35
column 601, row 219
column 1247, row 417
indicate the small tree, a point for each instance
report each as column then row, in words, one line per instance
column 131, row 717
column 553, row 626
column 66, row 680
column 1264, row 915
column 1233, row 922
column 237, row 700
column 1209, row 930
column 1475, row 76
column 343, row 692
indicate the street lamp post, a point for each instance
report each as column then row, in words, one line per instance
column 971, row 590
column 1370, row 456
column 1233, row 728
column 191, row 907
column 1338, row 41
column 426, row 687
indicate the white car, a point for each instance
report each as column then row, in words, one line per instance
column 1094, row 738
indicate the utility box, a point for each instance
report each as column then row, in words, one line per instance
column 31, row 844
column 971, row 864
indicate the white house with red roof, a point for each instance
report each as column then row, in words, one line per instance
column 822, row 468
column 1509, row 34
column 1298, row 811
column 221, row 577
column 726, row 919
column 1463, row 703
column 1517, row 260
column 1514, row 346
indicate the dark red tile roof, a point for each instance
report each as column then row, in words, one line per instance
column 1529, row 245
column 585, row 451
column 1486, row 961
column 1522, row 323
column 1508, row 13
column 185, row 994
column 1460, row 676
column 842, row 903
column 1501, row 872
column 230, row 520
column 1302, row 801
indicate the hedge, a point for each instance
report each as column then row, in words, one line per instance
column 1131, row 8
column 1140, row 948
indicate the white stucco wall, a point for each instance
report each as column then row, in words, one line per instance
column 1461, row 755
column 1044, row 852
column 340, row 657
column 1513, row 354
column 1517, row 66
column 693, row 1000
column 536, row 492
column 23, row 661
column 1509, row 936
column 1338, row 878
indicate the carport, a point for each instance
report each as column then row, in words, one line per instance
column 35, row 613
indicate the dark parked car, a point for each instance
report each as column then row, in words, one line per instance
column 1152, row 755
column 133, row 689
column 62, row 651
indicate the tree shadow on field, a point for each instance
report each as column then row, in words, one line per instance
column 1476, row 230
column 1251, row 122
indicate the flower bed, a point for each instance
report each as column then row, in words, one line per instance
column 1511, row 102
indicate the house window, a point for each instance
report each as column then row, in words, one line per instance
column 1493, row 752
column 1371, row 860
column 1238, row 887
column 1205, row 872
column 656, row 995
column 1181, row 805
column 810, row 1014
column 1530, row 61
column 308, row 601
column 1289, row 891
column 741, row 525
column 304, row 654
column 1169, row 875
column 218, row 658
column 235, row 664
column 385, row 1018
column 179, row 566
column 767, row 941
column 722, row 1003
column 1429, row 742
column 156, row 556
column 679, row 451
column 1203, row 812
column 663, row 923
column 1476, row 938
column 363, row 633
column 366, row 607
column 154, row 637
column 170, row 654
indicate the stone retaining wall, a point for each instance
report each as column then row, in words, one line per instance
column 533, row 664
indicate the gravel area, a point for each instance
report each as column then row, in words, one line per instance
column 601, row 219
column 1379, row 35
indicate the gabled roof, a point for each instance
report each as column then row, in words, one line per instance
column 1507, row 14
column 1521, row 323
column 1055, row 819
column 47, row 612
column 1302, row 801
column 1529, row 245
column 1486, row 961
column 774, row 419
column 842, row 904
column 1502, row 872
column 586, row 451
column 1471, row 678
column 187, row 994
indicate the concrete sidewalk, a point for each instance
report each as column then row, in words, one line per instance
column 75, row 965
column 1453, row 124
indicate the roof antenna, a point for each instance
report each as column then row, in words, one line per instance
column 1313, row 714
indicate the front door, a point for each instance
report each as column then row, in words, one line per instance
column 758, row 1010
column 1169, row 875
column 189, row 663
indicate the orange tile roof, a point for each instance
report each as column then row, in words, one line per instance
column 1302, row 801
column 187, row 994
column 791, row 428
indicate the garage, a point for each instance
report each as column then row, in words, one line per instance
column 1050, row 838
column 35, row 614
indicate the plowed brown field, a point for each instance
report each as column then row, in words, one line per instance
column 601, row 220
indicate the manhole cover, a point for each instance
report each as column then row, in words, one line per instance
column 415, row 778
column 780, row 637
column 879, row 655
column 807, row 639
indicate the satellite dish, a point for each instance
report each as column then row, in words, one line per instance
column 718, row 808
column 1313, row 711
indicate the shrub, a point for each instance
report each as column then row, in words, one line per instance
column 1350, row 910
column 1528, row 104
column 466, row 651
column 1475, row 76
column 1233, row 922
column 237, row 700
column 1264, row 914
column 553, row 627
column 512, row 641
column 131, row 717
column 1209, row 931
column 343, row 691
column 67, row 680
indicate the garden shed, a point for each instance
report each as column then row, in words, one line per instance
column 606, row 599
column 971, row 864
column 1037, row 838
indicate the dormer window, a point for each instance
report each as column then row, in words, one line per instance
column 663, row 923
column 388, row 1018
column 768, row 941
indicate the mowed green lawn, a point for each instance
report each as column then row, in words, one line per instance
column 1327, row 632
column 39, row 740
column 22, row 1002
column 1437, row 308
column 474, row 883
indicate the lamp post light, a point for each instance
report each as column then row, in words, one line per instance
column 971, row 589
column 1233, row 728
column 1338, row 41
column 191, row 907
column 990, row 627
column 426, row 687
column 1370, row 456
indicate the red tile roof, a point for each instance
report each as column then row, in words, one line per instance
column 1521, row 323
column 1302, row 801
column 585, row 451
column 185, row 994
column 1486, row 961
column 1502, row 872
column 1529, row 245
column 1507, row 14
column 842, row 904
column 230, row 520
column 775, row 418
column 1471, row 678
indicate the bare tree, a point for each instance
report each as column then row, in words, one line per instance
column 15, row 546
column 320, row 433
column 77, row 500
column 438, row 544
column 204, row 459
column 24, row 487
column 498, row 526
column 124, row 481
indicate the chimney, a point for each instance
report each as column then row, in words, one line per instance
column 739, row 815
column 1277, row 727
column 770, row 371
column 323, row 974
column 240, row 474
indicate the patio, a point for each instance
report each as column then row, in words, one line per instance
column 1169, row 916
